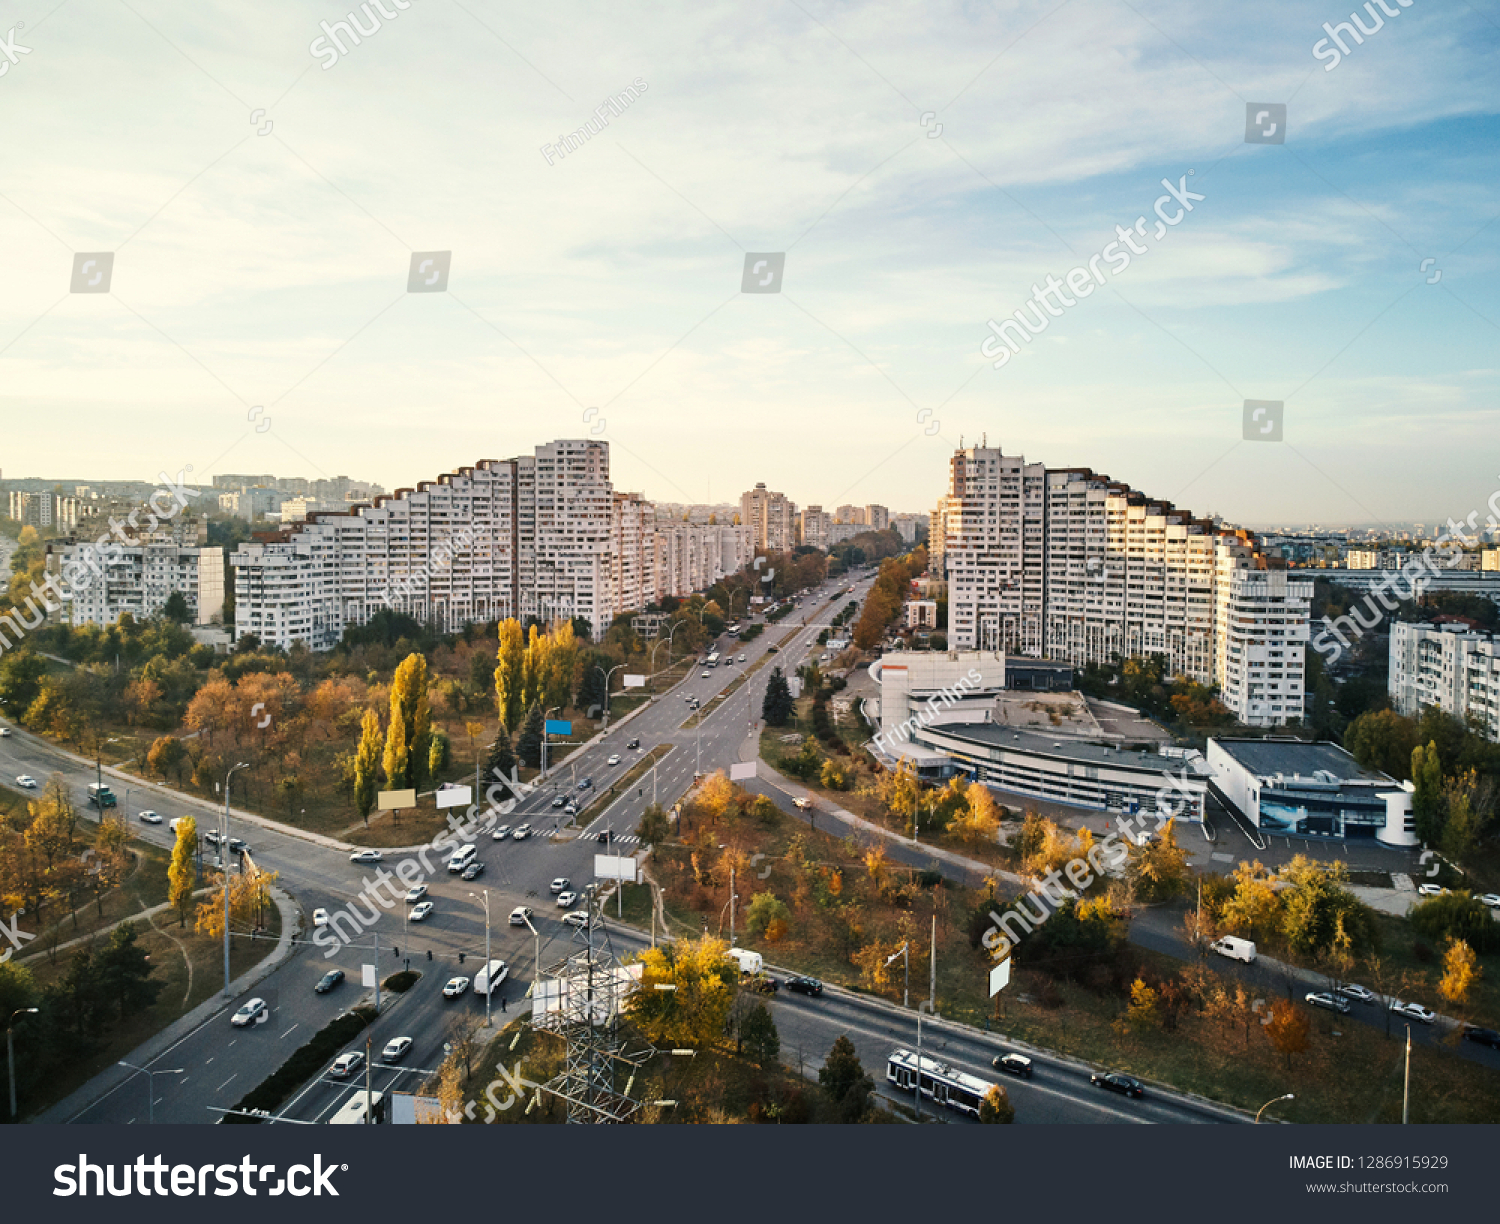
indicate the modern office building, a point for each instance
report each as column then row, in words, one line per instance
column 1069, row 565
column 1446, row 666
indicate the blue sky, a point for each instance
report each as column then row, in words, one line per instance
column 270, row 271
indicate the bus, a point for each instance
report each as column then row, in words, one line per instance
column 490, row 976
column 712, row 660
column 958, row 1090
column 357, row 1110
column 734, row 629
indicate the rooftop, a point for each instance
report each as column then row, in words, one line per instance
column 1295, row 758
column 992, row 735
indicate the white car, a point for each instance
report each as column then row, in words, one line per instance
column 579, row 919
column 415, row 894
column 705, row 676
column 614, row 760
column 519, row 915
column 567, row 900
column 395, row 1049
column 420, row 911
column 1358, row 993
column 559, row 885
column 1413, row 1011
column 249, row 1014
column 522, row 833
column 346, row 1065
column 802, row 803
column 501, row 833
column 1490, row 899
column 320, row 917
column 1431, row 890
column 741, row 658
column 366, row 856
column 455, row 987
column 150, row 817
column 27, row 781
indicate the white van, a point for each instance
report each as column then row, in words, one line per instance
column 749, row 962
column 462, row 857
column 1235, row 949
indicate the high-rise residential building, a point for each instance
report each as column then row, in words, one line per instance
column 850, row 514
column 1070, row 565
column 1446, row 666
column 771, row 517
column 139, row 579
column 877, row 518
column 1489, row 560
column 909, row 527
column 44, row 509
column 815, row 524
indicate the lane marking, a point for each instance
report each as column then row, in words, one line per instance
column 227, row 1082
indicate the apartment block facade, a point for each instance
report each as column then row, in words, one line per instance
column 1069, row 565
column 1445, row 666
column 140, row 578
column 771, row 517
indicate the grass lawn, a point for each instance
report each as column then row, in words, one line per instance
column 191, row 968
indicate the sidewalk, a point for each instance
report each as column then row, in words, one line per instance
column 112, row 1077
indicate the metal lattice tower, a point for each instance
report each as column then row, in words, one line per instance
column 583, row 1001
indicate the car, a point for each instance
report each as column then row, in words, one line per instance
column 520, row 914
column 395, row 1049
column 421, row 911
column 501, row 833
column 328, row 981
column 1328, row 1000
column 580, row 919
column 212, row 837
column 1431, row 890
column 559, row 802
column 613, row 760
column 559, row 885
column 586, row 784
column 1414, row 1011
column 472, row 871
column 1013, row 1064
column 805, row 985
column 741, row 659
column 803, row 803
column 150, row 817
column 249, row 1014
column 239, row 847
column 635, row 743
column 571, row 809
column 4, row 732
column 705, row 676
column 366, row 856
column 26, row 780
column 567, row 900
column 1113, row 1081
column 415, row 893
column 320, row 917
column 455, row 987
column 521, row 832
column 1358, row 993
column 1490, row 899
column 346, row 1065
column 773, row 649
column 1484, row 1036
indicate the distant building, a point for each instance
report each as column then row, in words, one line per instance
column 772, row 519
column 1447, row 666
column 816, row 523
column 44, row 510
column 921, row 614
column 877, row 518
column 253, row 504
column 141, row 578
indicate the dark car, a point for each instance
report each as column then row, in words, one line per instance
column 1013, row 1064
column 805, row 985
column 472, row 871
column 585, row 784
column 1115, row 1082
column 635, row 743
column 329, row 980
column 603, row 837
column 1484, row 1036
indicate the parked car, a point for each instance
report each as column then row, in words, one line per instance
column 521, row 833
column 1358, row 993
column 1414, row 1011
column 415, row 893
column 1484, row 1036
column 26, row 780
column 1113, row 1081
column 1431, row 890
column 520, row 914
column 580, row 919
column 805, row 985
column 395, row 1049
column 346, row 1065
column 320, row 917
column 501, row 833
column 1013, row 1064
column 366, row 856
column 328, row 981
column 150, row 817
column 238, row 846
column 1490, row 899
column 614, row 759
column 249, row 1014
column 1328, row 1000
column 559, row 885
column 421, row 911
column 455, row 987
column 472, row 871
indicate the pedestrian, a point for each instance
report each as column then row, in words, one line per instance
column 502, row 1000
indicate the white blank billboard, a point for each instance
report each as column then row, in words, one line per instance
column 455, row 796
column 741, row 770
column 616, row 867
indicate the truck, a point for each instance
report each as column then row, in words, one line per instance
column 100, row 796
column 749, row 962
column 1235, row 948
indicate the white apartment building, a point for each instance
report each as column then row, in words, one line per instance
column 877, row 518
column 141, row 578
column 815, row 527
column 909, row 526
column 771, row 517
column 1069, row 565
column 1449, row 667
column 1489, row 560
column 44, row 509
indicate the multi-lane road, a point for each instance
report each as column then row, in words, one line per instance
column 214, row 1065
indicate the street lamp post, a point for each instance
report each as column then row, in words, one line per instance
column 526, row 918
column 543, row 774
column 489, row 993
column 151, row 1084
column 607, row 676
column 1290, row 1096
column 224, row 862
column 10, row 1052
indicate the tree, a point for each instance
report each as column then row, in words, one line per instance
column 843, row 1078
column 766, row 908
column 693, row 1013
column 1455, row 916
column 396, row 758
column 1383, row 740
column 407, row 748
column 776, row 708
column 901, row 791
column 1143, row 1012
column 176, row 608
column 654, row 827
column 366, row 763
column 979, row 819
column 182, row 871
column 1460, row 971
column 439, row 753
column 1319, row 915
column 1427, row 798
column 1288, row 1029
column 124, row 973
column 509, row 661
column 501, row 762
column 529, row 743
column 166, row 755
column 833, row 776
column 758, row 1034
column 996, row 1106
column 1157, row 867
column 112, row 859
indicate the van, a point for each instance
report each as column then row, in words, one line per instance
column 1235, row 949
column 749, row 962
column 462, row 857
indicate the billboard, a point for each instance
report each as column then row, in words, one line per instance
column 390, row 801
column 635, row 681
column 999, row 977
column 616, row 867
column 558, row 726
column 455, row 796
column 741, row 770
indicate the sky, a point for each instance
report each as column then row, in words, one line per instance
column 918, row 167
